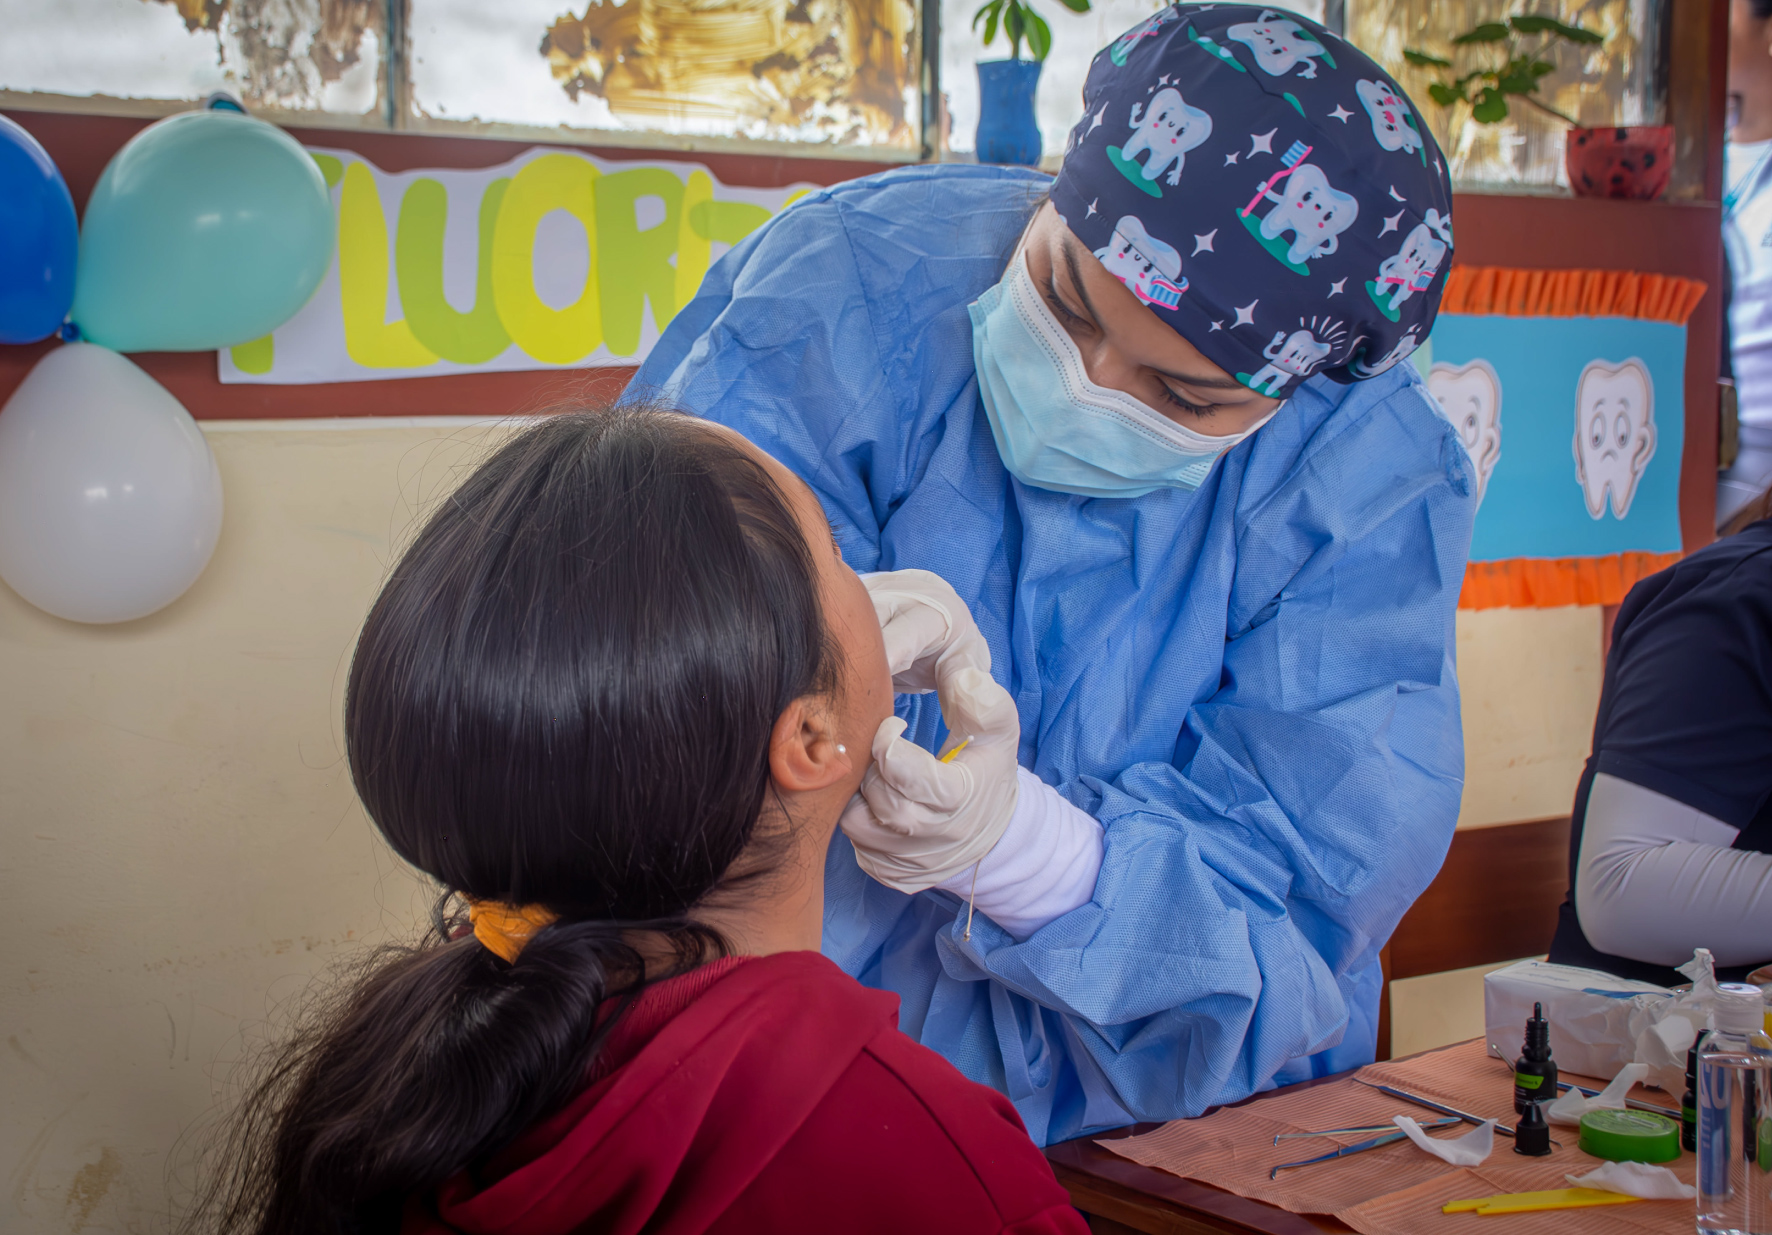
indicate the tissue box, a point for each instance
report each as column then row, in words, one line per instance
column 1594, row 1017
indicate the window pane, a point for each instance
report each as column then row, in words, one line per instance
column 295, row 55
column 832, row 71
column 1606, row 84
column 1076, row 37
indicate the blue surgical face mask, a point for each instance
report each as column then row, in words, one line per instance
column 1054, row 427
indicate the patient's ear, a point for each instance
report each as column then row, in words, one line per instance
column 804, row 754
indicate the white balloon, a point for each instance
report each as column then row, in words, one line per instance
column 110, row 501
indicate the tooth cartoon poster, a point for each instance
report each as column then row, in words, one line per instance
column 555, row 259
column 1567, row 389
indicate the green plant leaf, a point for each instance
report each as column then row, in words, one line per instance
column 1529, row 23
column 1445, row 96
column 1014, row 26
column 1516, row 83
column 1490, row 106
column 1039, row 35
column 1076, row 6
column 1579, row 34
column 987, row 10
column 1424, row 60
column 1538, row 68
column 1488, row 32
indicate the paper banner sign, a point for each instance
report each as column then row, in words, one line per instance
column 1575, row 425
column 556, row 259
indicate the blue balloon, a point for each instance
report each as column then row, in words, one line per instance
column 210, row 228
column 39, row 239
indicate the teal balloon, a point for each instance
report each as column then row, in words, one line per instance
column 208, row 229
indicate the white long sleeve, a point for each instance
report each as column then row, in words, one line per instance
column 1657, row 878
column 1042, row 867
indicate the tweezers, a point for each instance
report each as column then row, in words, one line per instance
column 1427, row 1126
column 1389, row 1138
column 1431, row 1105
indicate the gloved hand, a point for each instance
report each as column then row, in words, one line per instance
column 918, row 821
column 927, row 628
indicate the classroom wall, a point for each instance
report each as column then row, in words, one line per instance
column 180, row 850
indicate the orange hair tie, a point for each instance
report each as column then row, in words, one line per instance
column 504, row 929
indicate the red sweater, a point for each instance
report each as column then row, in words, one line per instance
column 773, row 1094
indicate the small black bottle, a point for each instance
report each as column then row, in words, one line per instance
column 1535, row 1073
column 1532, row 1133
column 1689, row 1099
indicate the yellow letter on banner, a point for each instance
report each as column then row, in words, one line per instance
column 636, row 265
column 553, row 336
column 466, row 338
column 694, row 253
column 370, row 338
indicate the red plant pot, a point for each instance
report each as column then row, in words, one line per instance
column 1632, row 162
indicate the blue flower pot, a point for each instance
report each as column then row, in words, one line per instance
column 1007, row 130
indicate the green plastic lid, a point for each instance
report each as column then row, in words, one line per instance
column 1630, row 1136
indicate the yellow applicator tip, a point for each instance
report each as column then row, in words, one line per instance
column 950, row 756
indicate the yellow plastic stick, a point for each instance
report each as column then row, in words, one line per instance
column 949, row 757
column 1524, row 1202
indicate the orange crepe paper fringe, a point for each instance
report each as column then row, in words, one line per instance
column 1570, row 293
column 1549, row 582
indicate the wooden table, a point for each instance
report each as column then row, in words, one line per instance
column 1120, row 1195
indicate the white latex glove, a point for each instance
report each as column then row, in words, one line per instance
column 927, row 628
column 917, row 820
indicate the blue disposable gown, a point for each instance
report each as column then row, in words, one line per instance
column 1251, row 686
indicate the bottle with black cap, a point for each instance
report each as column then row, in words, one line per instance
column 1535, row 1073
column 1532, row 1133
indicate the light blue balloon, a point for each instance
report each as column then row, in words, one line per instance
column 208, row 229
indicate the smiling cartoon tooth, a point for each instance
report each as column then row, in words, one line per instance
column 1313, row 210
column 1168, row 129
column 1279, row 45
column 1151, row 268
column 1614, row 433
column 1470, row 397
column 1392, row 123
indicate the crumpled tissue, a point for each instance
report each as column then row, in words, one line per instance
column 1652, row 1183
column 1466, row 1150
column 1569, row 1108
column 1664, row 1033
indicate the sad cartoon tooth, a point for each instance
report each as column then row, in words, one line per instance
column 1470, row 397
column 1614, row 433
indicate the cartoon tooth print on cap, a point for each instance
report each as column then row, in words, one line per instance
column 1405, row 347
column 1312, row 209
column 1151, row 268
column 1614, row 433
column 1146, row 29
column 1413, row 267
column 1212, row 46
column 1205, row 112
column 1291, row 357
column 1470, row 398
column 1165, row 131
column 1393, row 122
column 1280, row 45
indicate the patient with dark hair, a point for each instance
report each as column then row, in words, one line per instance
column 613, row 700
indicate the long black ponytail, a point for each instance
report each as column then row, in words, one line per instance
column 563, row 696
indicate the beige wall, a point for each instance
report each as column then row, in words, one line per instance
column 180, row 849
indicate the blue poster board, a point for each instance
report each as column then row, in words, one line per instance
column 1544, row 494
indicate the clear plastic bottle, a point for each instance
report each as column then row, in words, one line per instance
column 1735, row 1118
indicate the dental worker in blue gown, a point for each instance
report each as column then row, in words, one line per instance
column 1150, row 422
